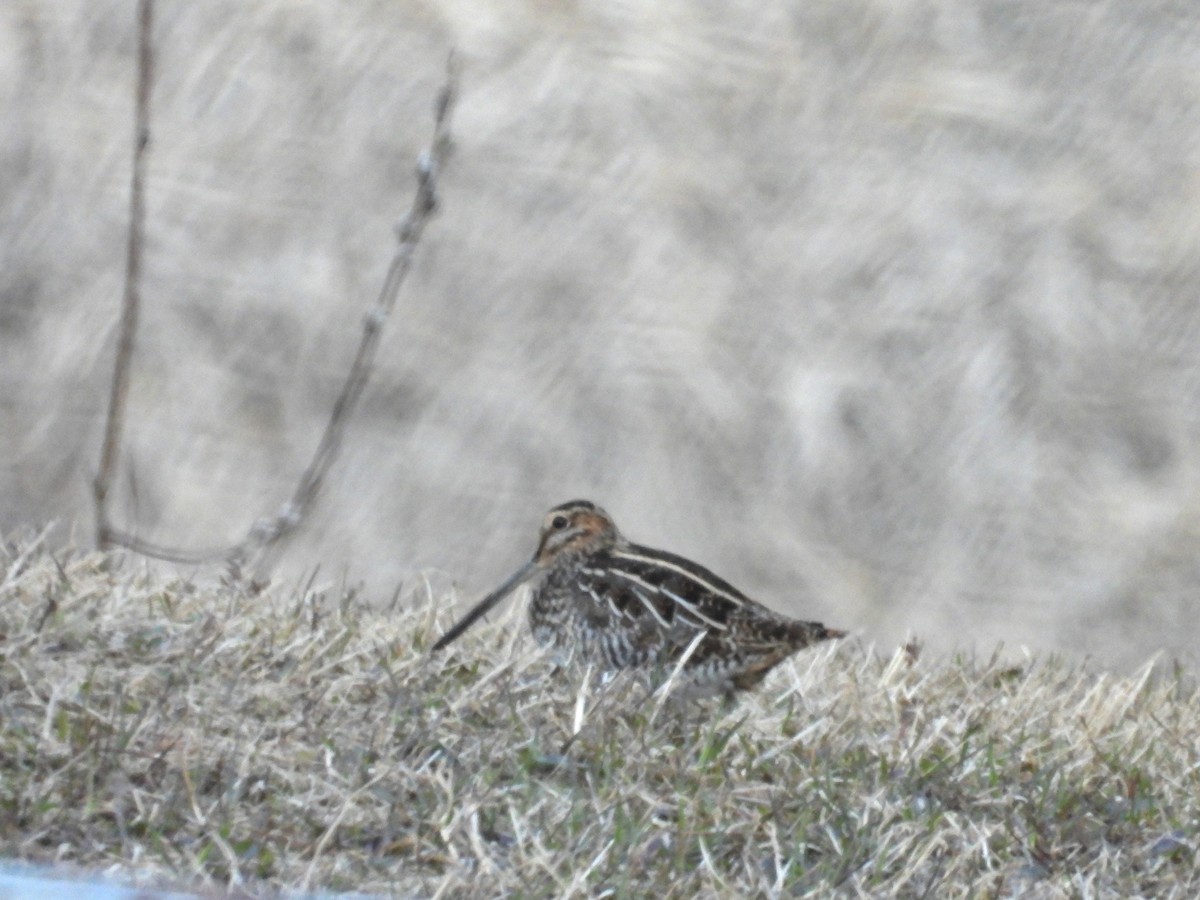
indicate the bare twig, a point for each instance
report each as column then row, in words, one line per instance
column 119, row 538
column 111, row 448
column 267, row 532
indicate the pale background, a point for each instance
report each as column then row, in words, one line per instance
column 889, row 312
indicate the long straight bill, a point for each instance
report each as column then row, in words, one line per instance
column 484, row 605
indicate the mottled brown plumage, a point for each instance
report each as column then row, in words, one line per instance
column 598, row 597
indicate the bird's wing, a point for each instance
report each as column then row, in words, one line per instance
column 610, row 599
column 683, row 597
column 638, row 583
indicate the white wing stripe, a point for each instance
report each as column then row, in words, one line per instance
column 694, row 610
column 645, row 601
column 687, row 605
column 686, row 573
column 653, row 610
column 599, row 601
column 629, row 576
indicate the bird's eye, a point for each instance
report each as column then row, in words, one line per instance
column 558, row 523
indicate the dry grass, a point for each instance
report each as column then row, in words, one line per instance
column 302, row 738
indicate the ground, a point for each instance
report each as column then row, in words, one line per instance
column 300, row 736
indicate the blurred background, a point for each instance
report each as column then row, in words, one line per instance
column 886, row 311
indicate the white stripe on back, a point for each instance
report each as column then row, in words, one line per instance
column 686, row 604
column 686, row 573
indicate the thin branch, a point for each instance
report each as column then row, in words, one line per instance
column 268, row 532
column 408, row 231
column 119, row 538
column 111, row 449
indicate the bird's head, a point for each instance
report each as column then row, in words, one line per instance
column 571, row 529
column 568, row 531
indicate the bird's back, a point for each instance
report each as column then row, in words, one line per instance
column 630, row 605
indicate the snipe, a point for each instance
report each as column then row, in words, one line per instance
column 620, row 605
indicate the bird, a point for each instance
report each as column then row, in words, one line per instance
column 618, row 605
